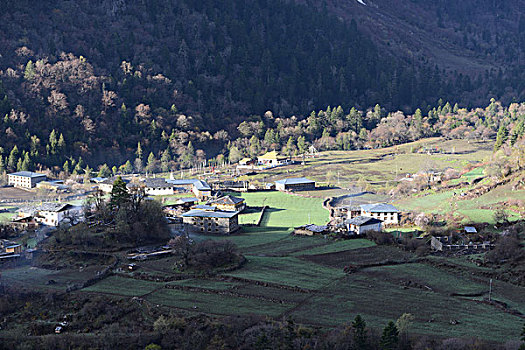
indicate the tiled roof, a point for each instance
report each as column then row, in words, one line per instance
column 295, row 181
column 362, row 220
column 379, row 208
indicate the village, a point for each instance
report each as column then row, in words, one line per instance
column 211, row 206
column 265, row 236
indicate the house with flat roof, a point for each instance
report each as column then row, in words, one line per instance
column 295, row 184
column 211, row 221
column 229, row 203
column 25, row 179
column 362, row 224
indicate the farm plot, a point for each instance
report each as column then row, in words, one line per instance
column 123, row 286
column 287, row 271
column 380, row 300
column 39, row 278
column 216, row 304
column 363, row 256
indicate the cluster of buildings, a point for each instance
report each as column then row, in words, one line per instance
column 268, row 160
column 217, row 216
column 357, row 220
column 49, row 214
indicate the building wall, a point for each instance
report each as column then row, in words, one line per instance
column 24, row 181
column 202, row 194
column 210, row 225
column 387, row 218
column 297, row 187
column 360, row 230
column 159, row 191
column 230, row 207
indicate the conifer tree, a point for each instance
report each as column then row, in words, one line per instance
column 390, row 337
column 165, row 160
column 66, row 167
column 151, row 165
column 501, row 137
column 13, row 157
column 29, row 72
column 128, row 168
column 360, row 333
column 119, row 193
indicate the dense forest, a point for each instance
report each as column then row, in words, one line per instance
column 163, row 83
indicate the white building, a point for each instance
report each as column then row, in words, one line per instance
column 25, row 179
column 387, row 213
column 52, row 214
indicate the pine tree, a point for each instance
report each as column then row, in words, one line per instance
column 301, row 144
column 501, row 137
column 139, row 151
column 128, row 168
column 61, row 145
column 151, row 165
column 165, row 160
column 390, row 337
column 27, row 165
column 360, row 333
column 104, row 171
column 66, row 167
column 13, row 157
column 29, row 72
column 2, row 165
column 53, row 142
column 19, row 164
column 119, row 193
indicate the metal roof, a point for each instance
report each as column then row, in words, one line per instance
column 209, row 214
column 470, row 229
column 295, row 181
column 198, row 184
column 272, row 155
column 28, row 174
column 379, row 208
column 362, row 220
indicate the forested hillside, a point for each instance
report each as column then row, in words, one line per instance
column 93, row 79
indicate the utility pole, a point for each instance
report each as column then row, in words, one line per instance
column 490, row 290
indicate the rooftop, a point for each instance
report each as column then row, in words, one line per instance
column 313, row 228
column 51, row 207
column 362, row 220
column 27, row 174
column 379, row 208
column 209, row 214
column 295, row 181
column 227, row 200
column 157, row 183
column 271, row 155
column 198, row 184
